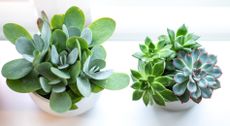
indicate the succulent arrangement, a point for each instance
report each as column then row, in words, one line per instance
column 174, row 68
column 63, row 63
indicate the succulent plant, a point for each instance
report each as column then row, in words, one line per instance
column 174, row 68
column 149, row 81
column 196, row 75
column 181, row 40
column 64, row 62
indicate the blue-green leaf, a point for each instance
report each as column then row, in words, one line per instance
column 60, row 102
column 16, row 69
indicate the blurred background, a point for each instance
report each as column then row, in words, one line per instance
column 135, row 18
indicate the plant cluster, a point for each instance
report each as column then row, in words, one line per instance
column 174, row 68
column 65, row 62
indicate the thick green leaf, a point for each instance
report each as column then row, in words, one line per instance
column 87, row 35
column 171, row 35
column 60, row 102
column 60, row 73
column 29, row 83
column 137, row 94
column 168, row 95
column 38, row 43
column 182, row 30
column 44, row 70
column 24, row 46
column 74, row 31
column 57, row 21
column 44, row 84
column 158, row 68
column 165, row 80
column 84, row 86
column 116, row 81
column 98, row 52
column 95, row 88
column 14, row 31
column 146, row 98
column 74, row 17
column 16, row 69
column 54, row 55
column 158, row 86
column 136, row 85
column 158, row 99
column 75, row 70
column 101, row 75
column 46, row 33
column 59, row 38
column 136, row 74
column 59, row 88
column 102, row 29
column 72, row 57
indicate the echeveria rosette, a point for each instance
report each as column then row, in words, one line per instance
column 150, row 83
column 196, row 75
column 65, row 62
column 181, row 40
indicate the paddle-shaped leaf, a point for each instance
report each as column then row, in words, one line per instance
column 84, row 86
column 74, row 17
column 102, row 29
column 60, row 102
column 14, row 31
column 27, row 84
column 16, row 69
column 116, row 81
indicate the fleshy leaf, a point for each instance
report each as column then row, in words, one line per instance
column 16, row 69
column 84, row 86
column 24, row 46
column 179, row 89
column 14, row 31
column 158, row 68
column 102, row 29
column 74, row 17
column 27, row 84
column 54, row 55
column 59, row 73
column 87, row 35
column 60, row 102
column 116, row 81
column 72, row 57
column 44, row 84
column 57, row 21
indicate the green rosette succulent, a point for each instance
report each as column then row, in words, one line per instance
column 174, row 68
column 65, row 62
column 196, row 75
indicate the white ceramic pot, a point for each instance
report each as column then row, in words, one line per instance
column 83, row 106
column 52, row 7
column 178, row 106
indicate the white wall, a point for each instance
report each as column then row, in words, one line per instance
column 139, row 18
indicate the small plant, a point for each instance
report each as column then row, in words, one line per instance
column 175, row 68
column 65, row 62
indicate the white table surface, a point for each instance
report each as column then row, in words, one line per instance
column 115, row 108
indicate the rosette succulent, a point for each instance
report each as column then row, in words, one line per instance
column 65, row 62
column 196, row 75
column 174, row 68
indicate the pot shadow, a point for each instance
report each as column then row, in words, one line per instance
column 167, row 117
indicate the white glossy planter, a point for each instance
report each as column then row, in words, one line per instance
column 178, row 106
column 52, row 7
column 83, row 106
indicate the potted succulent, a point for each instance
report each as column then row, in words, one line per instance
column 62, row 67
column 60, row 6
column 175, row 72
